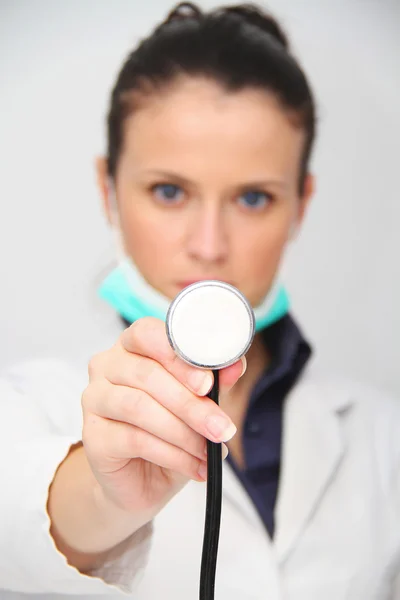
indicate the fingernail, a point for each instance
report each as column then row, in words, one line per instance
column 220, row 428
column 200, row 382
column 244, row 361
column 225, row 451
column 202, row 470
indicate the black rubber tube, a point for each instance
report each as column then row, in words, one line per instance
column 213, row 510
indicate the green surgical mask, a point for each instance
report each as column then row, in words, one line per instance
column 126, row 290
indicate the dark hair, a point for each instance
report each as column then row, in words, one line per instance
column 237, row 46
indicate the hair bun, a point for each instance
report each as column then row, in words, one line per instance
column 247, row 13
column 254, row 15
column 184, row 10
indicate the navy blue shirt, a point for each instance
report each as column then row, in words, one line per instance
column 262, row 429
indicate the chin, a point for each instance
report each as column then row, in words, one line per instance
column 256, row 298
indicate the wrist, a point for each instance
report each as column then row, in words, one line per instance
column 122, row 522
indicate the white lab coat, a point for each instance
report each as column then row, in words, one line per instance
column 337, row 514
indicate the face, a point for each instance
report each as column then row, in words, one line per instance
column 207, row 187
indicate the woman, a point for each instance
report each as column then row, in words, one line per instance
column 210, row 132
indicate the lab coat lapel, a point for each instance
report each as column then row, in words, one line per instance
column 312, row 450
column 257, row 562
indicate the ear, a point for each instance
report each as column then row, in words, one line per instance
column 305, row 199
column 103, row 186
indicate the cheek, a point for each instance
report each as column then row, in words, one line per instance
column 259, row 252
column 151, row 242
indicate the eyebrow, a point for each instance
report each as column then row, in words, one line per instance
column 248, row 184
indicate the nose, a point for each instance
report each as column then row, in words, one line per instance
column 207, row 240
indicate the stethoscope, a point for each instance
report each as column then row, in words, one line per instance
column 211, row 325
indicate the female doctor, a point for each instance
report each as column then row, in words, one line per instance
column 210, row 131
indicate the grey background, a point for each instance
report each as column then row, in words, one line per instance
column 58, row 61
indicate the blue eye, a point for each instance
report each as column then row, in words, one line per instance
column 168, row 192
column 254, row 199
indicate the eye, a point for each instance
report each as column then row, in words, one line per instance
column 167, row 192
column 255, row 199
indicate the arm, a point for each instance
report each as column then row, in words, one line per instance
column 40, row 422
column 84, row 525
column 143, row 427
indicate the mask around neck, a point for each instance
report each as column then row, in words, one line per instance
column 126, row 290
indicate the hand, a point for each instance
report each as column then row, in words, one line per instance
column 146, row 418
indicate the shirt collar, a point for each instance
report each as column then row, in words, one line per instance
column 289, row 352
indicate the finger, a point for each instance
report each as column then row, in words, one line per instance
column 119, row 441
column 136, row 407
column 229, row 376
column 202, row 415
column 148, row 338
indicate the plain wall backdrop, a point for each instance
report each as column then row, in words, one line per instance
column 58, row 63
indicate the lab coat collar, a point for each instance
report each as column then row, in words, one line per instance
column 313, row 447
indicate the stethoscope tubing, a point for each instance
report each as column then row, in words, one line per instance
column 213, row 510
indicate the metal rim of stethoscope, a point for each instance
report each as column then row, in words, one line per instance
column 202, row 284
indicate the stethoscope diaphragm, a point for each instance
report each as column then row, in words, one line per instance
column 210, row 324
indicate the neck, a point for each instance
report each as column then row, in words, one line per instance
column 257, row 361
column 235, row 402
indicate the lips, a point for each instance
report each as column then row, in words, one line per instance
column 183, row 284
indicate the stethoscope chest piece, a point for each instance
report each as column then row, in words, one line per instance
column 210, row 324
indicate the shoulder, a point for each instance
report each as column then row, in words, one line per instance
column 46, row 389
column 43, row 374
column 340, row 391
column 368, row 412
